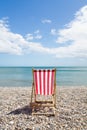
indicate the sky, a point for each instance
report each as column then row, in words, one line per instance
column 43, row 32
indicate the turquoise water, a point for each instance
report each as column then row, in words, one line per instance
column 22, row 76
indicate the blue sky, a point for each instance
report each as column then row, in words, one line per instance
column 43, row 33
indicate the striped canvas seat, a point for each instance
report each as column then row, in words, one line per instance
column 44, row 81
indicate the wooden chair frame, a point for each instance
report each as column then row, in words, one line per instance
column 37, row 104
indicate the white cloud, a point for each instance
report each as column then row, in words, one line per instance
column 38, row 36
column 33, row 36
column 46, row 21
column 77, row 29
column 10, row 42
column 13, row 43
column 29, row 37
column 53, row 32
column 37, row 47
column 76, row 33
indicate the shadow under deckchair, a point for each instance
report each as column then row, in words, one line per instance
column 24, row 110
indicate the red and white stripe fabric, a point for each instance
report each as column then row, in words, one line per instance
column 44, row 81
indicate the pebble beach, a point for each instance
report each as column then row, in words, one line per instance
column 71, row 110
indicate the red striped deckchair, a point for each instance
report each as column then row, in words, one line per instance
column 44, row 84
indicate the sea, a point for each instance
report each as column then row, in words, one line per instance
column 22, row 76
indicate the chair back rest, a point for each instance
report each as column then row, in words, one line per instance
column 44, row 81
